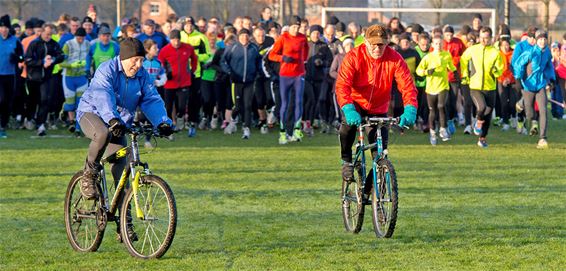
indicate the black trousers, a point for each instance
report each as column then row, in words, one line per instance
column 451, row 107
column 222, row 90
column 244, row 95
column 178, row 98
column 263, row 93
column 484, row 100
column 468, row 104
column 436, row 106
column 312, row 93
column 508, row 98
column 422, row 111
column 194, row 100
column 41, row 96
column 7, row 87
column 347, row 135
column 208, row 98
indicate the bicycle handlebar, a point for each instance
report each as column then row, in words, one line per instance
column 138, row 129
column 381, row 122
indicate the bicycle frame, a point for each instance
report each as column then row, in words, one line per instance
column 361, row 147
column 130, row 170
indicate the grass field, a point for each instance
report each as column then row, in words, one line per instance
column 254, row 205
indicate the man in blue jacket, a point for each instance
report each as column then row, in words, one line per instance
column 537, row 75
column 241, row 62
column 11, row 52
column 108, row 106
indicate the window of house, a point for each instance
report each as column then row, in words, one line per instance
column 154, row 8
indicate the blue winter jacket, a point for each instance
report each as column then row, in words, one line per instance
column 158, row 37
column 241, row 63
column 112, row 95
column 520, row 48
column 536, row 68
column 9, row 46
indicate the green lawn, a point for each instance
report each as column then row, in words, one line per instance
column 254, row 205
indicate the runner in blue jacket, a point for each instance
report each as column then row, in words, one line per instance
column 536, row 71
column 108, row 106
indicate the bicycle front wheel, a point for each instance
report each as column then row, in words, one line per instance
column 353, row 207
column 384, row 200
column 84, row 219
column 151, row 236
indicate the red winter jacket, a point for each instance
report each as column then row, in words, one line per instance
column 368, row 82
column 296, row 47
column 456, row 48
column 178, row 62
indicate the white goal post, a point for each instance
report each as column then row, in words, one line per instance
column 491, row 11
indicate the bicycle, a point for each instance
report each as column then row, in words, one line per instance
column 359, row 192
column 150, row 196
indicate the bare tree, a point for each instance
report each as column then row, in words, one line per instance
column 546, row 18
column 437, row 4
column 301, row 7
column 222, row 8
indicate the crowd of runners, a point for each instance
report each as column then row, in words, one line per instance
column 258, row 76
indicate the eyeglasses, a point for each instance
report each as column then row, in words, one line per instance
column 375, row 45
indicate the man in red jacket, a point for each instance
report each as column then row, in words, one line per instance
column 363, row 88
column 292, row 50
column 175, row 59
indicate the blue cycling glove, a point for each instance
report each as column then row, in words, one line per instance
column 353, row 118
column 409, row 116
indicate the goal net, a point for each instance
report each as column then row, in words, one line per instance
column 423, row 16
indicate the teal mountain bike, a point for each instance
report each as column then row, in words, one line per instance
column 374, row 184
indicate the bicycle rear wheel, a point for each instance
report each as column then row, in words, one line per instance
column 84, row 219
column 155, row 232
column 384, row 200
column 353, row 207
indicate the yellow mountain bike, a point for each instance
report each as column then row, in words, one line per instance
column 149, row 232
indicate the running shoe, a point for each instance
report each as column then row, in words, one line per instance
column 468, row 130
column 347, row 171
column 203, row 124
column 214, row 122
column 264, row 129
column 444, row 135
column 432, row 138
column 451, row 127
column 3, row 133
column 41, row 131
column 542, row 144
column 192, row 132
column 482, row 142
column 283, row 138
column 297, row 136
column 246, row 133
column 230, row 128
column 534, row 128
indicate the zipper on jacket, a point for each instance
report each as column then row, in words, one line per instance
column 178, row 68
column 245, row 63
column 43, row 68
column 482, row 67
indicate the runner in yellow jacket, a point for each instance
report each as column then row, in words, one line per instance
column 482, row 64
column 435, row 67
